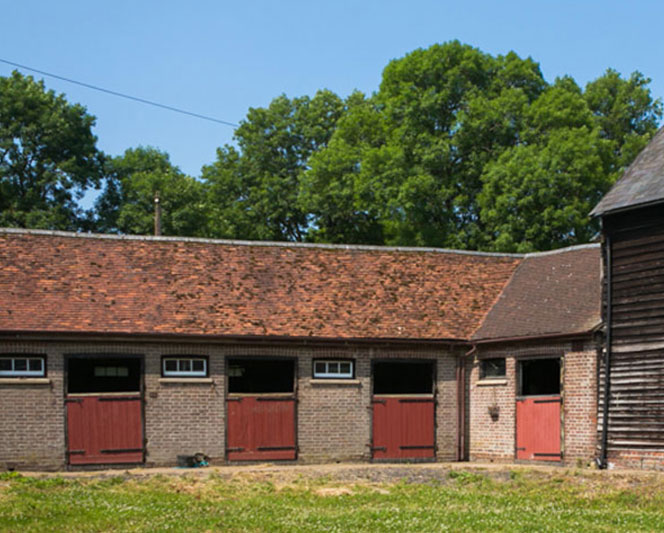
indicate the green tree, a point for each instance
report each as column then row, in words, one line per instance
column 462, row 149
column 411, row 157
column 126, row 204
column 48, row 156
column 537, row 195
column 625, row 112
column 337, row 190
column 253, row 189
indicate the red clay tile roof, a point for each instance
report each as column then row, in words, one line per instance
column 58, row 282
column 550, row 293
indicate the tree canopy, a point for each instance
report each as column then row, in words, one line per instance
column 456, row 148
column 461, row 149
column 48, row 156
column 253, row 190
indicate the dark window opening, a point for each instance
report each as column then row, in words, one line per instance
column 540, row 376
column 403, row 378
column 92, row 375
column 260, row 376
column 492, row 368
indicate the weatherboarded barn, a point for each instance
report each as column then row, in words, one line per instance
column 532, row 387
column 632, row 372
column 118, row 350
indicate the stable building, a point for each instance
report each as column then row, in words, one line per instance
column 533, row 366
column 134, row 350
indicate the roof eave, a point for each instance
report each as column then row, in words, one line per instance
column 216, row 338
column 532, row 338
column 622, row 209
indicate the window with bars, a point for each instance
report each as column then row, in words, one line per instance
column 337, row 369
column 22, row 366
column 111, row 371
column 184, row 367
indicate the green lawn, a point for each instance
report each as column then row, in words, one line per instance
column 466, row 500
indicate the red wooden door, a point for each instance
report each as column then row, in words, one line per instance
column 403, row 428
column 538, row 428
column 104, row 429
column 260, row 428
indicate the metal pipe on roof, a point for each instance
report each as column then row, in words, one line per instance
column 157, row 215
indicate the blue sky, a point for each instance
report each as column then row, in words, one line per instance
column 219, row 58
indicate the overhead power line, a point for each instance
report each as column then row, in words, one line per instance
column 121, row 95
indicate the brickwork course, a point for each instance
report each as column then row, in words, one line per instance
column 68, row 294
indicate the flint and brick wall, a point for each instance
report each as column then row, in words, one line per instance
column 187, row 416
column 494, row 440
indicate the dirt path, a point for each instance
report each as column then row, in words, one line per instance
column 373, row 473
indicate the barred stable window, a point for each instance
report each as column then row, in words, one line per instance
column 340, row 369
column 22, row 366
column 184, row 367
column 111, row 371
column 492, row 368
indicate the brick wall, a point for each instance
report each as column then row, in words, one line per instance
column 32, row 416
column 494, row 440
column 447, row 408
column 186, row 417
column 490, row 439
column 639, row 459
column 580, row 402
column 334, row 420
column 180, row 418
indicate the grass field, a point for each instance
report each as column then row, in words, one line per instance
column 364, row 498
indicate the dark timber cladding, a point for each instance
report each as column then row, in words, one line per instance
column 636, row 405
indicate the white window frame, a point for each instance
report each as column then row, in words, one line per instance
column 184, row 373
column 327, row 374
column 23, row 373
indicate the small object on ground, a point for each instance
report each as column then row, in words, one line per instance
column 197, row 460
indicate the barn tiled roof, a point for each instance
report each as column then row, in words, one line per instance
column 65, row 282
column 641, row 184
column 550, row 293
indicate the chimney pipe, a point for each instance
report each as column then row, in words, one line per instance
column 157, row 215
